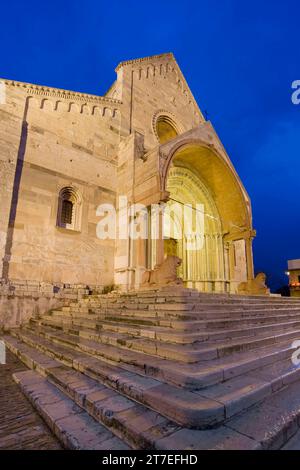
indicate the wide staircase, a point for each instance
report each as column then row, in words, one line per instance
column 165, row 369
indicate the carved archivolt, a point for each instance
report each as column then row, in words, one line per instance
column 168, row 116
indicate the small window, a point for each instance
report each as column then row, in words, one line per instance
column 66, row 212
column 69, row 209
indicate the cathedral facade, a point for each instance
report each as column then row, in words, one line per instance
column 145, row 143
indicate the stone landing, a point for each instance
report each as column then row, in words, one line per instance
column 167, row 369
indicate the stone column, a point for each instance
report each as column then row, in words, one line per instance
column 160, row 237
column 249, row 257
column 231, row 266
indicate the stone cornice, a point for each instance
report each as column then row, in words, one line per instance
column 166, row 55
column 60, row 93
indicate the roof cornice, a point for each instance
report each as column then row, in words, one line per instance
column 59, row 92
column 166, row 55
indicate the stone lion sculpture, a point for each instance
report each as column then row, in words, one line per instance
column 256, row 286
column 163, row 274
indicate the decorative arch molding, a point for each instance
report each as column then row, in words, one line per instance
column 205, row 263
column 166, row 157
column 171, row 150
column 170, row 117
column 194, row 190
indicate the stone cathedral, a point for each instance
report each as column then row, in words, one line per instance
column 63, row 153
column 136, row 342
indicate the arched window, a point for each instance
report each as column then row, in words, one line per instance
column 69, row 209
column 164, row 126
column 165, row 129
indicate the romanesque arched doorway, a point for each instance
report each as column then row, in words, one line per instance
column 193, row 231
column 192, row 172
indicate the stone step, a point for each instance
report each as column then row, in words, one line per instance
column 136, row 425
column 74, row 428
column 293, row 443
column 149, row 318
column 187, row 408
column 195, row 376
column 195, row 297
column 177, row 302
column 143, row 427
column 185, row 309
column 270, row 425
column 199, row 298
column 191, row 409
column 117, row 334
column 93, row 330
column 212, row 371
column 155, row 323
column 146, row 429
column 177, row 295
column 209, row 349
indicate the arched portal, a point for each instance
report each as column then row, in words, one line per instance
column 193, row 231
column 195, row 172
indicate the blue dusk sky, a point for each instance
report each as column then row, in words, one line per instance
column 238, row 57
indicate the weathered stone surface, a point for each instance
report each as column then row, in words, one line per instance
column 70, row 423
column 274, row 421
column 243, row 383
column 94, row 149
column 20, row 425
column 217, row 439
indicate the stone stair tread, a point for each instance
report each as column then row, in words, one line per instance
column 175, row 356
column 156, row 332
column 73, row 427
column 209, row 349
column 204, row 330
column 293, row 442
column 273, row 421
column 218, row 345
column 267, row 425
column 190, row 306
column 142, row 425
column 272, row 424
column 228, row 366
column 229, row 397
column 202, row 317
column 186, row 407
column 188, row 350
column 219, row 369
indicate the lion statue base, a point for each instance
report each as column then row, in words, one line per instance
column 256, row 286
column 163, row 274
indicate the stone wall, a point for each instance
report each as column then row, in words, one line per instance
column 50, row 139
column 22, row 300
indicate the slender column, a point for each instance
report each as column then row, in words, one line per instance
column 249, row 258
column 231, row 261
column 160, row 238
